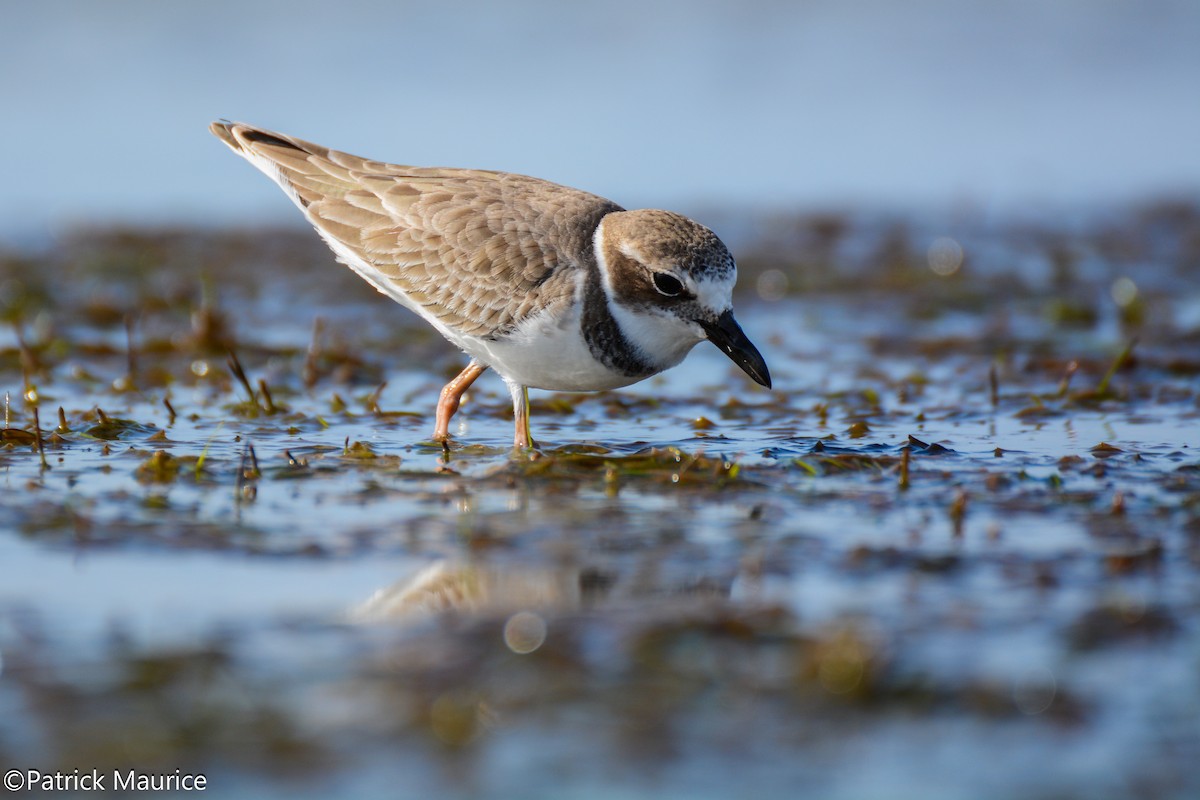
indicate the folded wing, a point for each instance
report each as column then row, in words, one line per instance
column 475, row 251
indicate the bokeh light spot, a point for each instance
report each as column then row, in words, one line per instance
column 524, row 632
column 1124, row 291
column 1034, row 692
column 772, row 285
column 945, row 256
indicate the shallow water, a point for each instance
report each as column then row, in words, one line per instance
column 895, row 575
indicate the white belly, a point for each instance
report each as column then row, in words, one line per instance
column 547, row 353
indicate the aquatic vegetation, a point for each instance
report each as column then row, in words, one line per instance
column 967, row 518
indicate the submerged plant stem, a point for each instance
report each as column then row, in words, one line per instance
column 1102, row 387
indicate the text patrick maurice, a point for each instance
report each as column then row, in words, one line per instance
column 130, row 780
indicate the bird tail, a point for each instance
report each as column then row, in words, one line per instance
column 247, row 140
column 306, row 172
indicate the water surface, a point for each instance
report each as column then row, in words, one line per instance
column 953, row 553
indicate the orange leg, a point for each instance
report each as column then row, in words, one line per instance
column 522, row 439
column 451, row 396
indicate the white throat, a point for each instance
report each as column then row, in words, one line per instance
column 662, row 339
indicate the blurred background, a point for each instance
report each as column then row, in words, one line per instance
column 968, row 236
column 749, row 105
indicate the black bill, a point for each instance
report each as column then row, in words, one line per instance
column 726, row 334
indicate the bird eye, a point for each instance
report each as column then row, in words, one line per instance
column 667, row 284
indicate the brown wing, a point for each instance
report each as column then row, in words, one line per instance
column 478, row 251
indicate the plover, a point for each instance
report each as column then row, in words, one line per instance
column 552, row 287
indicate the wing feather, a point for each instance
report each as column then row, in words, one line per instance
column 477, row 251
